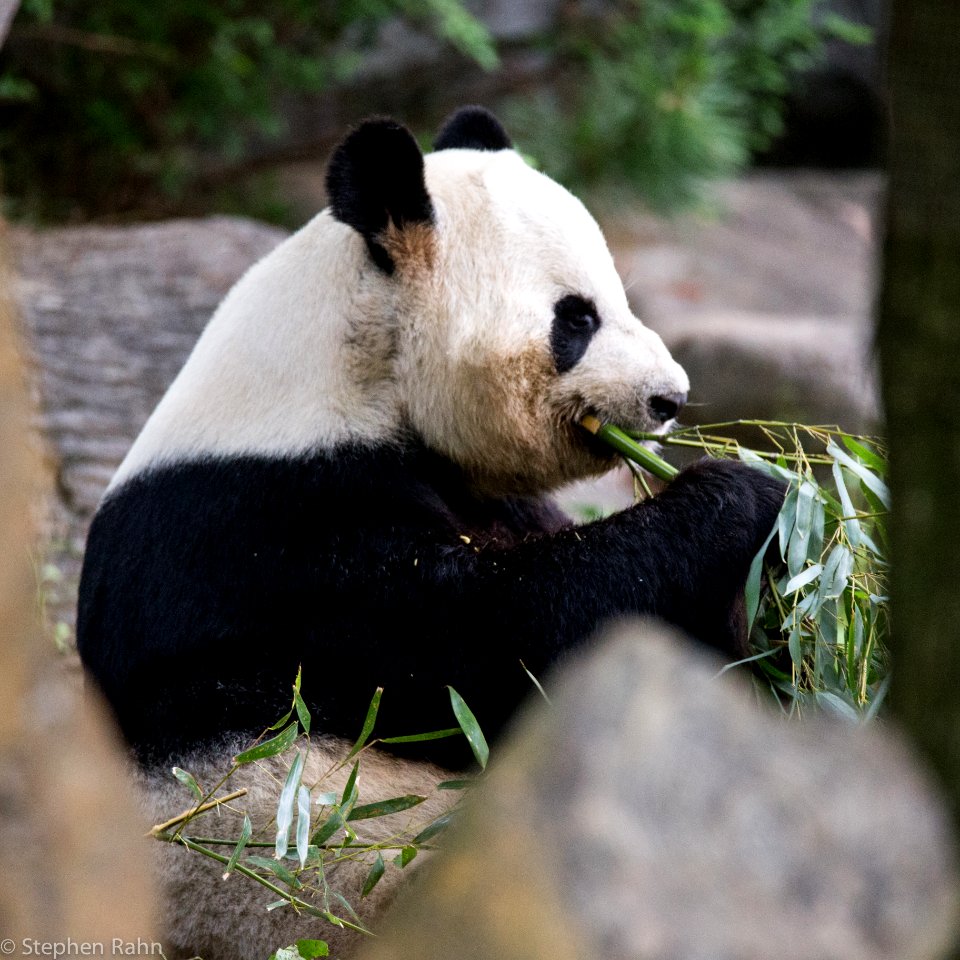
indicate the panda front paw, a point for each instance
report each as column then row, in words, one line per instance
column 744, row 500
column 730, row 509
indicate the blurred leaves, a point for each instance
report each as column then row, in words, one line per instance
column 116, row 106
column 100, row 102
column 667, row 94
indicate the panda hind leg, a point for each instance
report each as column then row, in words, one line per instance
column 204, row 915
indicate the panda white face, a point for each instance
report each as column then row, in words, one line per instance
column 516, row 325
column 463, row 297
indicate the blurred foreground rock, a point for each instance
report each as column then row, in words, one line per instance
column 72, row 851
column 656, row 811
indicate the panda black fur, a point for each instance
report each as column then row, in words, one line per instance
column 352, row 473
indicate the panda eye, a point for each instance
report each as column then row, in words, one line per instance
column 575, row 321
column 577, row 313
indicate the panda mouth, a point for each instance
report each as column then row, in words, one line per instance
column 601, row 449
column 597, row 448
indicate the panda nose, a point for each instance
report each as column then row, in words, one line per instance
column 666, row 406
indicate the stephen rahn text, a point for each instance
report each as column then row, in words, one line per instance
column 81, row 948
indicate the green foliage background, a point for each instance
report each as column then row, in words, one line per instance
column 121, row 106
column 100, row 102
column 667, row 94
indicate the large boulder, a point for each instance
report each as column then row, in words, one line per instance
column 72, row 852
column 767, row 303
column 655, row 810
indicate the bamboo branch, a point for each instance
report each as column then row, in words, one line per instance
column 193, row 811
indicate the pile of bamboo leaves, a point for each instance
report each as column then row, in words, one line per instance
column 818, row 617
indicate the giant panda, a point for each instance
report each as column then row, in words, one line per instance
column 352, row 474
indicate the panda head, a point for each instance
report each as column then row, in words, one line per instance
column 509, row 320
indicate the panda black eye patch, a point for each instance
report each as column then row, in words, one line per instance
column 575, row 321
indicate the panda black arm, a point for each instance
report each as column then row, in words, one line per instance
column 683, row 555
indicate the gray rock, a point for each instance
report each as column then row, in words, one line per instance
column 72, row 853
column 658, row 811
column 110, row 314
column 768, row 304
column 780, row 243
column 796, row 368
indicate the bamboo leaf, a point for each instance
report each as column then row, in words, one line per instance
column 836, row 570
column 303, row 824
column 302, row 712
column 283, row 720
column 535, row 681
column 346, row 904
column 870, row 545
column 311, row 949
column 269, row 748
column 803, row 578
column 809, row 606
column 285, row 805
column 470, row 727
column 328, row 828
column 878, row 699
column 786, row 520
column 771, row 469
column 188, row 780
column 855, row 631
column 869, row 479
column 817, row 528
column 405, row 856
column 373, row 877
column 246, row 831
column 796, row 552
column 432, row 829
column 851, row 525
column 419, row 737
column 349, row 796
column 836, row 705
column 383, row 808
column 277, row 869
column 793, row 644
column 368, row 723
column 754, row 578
column 806, row 497
column 869, row 457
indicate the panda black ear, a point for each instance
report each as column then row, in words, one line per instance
column 375, row 178
column 472, row 128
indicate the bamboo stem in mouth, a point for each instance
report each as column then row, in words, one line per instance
column 629, row 448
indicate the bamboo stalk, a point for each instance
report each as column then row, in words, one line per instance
column 629, row 448
column 193, row 811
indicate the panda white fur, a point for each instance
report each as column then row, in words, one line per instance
column 352, row 473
